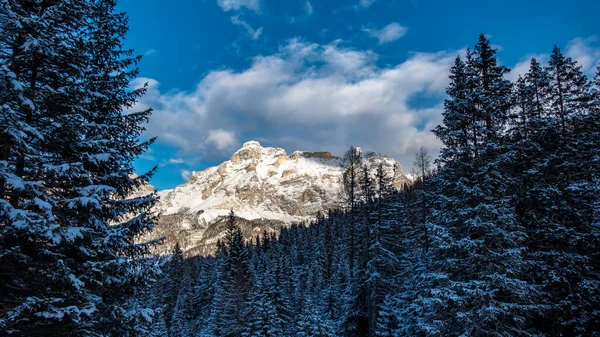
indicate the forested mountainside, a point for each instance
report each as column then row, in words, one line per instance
column 501, row 240
column 265, row 187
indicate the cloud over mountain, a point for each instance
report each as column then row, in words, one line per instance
column 306, row 96
column 312, row 96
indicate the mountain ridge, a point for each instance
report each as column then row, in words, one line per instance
column 262, row 185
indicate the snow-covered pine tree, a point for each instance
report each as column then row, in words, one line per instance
column 279, row 284
column 155, row 297
column 264, row 320
column 562, row 239
column 593, row 290
column 176, row 292
column 179, row 325
column 527, row 132
column 356, row 176
column 237, row 281
column 402, row 308
column 367, row 185
column 477, row 287
column 422, row 164
column 457, row 155
column 313, row 321
column 201, row 297
column 382, row 266
column 365, row 224
column 67, row 225
column 217, row 323
column 351, row 162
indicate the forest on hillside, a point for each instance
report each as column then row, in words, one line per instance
column 499, row 236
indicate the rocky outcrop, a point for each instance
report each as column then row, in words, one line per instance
column 262, row 185
column 318, row 155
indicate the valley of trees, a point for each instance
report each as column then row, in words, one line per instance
column 499, row 236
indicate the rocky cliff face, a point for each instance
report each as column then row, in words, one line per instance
column 266, row 188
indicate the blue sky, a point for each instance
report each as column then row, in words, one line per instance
column 322, row 75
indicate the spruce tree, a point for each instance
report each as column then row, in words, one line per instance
column 352, row 162
column 381, row 268
column 563, row 240
column 423, row 166
column 173, row 289
column 237, row 278
column 219, row 318
column 66, row 169
column 264, row 319
column 477, row 287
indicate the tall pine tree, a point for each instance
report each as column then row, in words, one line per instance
column 477, row 287
column 67, row 225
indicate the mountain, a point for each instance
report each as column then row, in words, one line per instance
column 266, row 188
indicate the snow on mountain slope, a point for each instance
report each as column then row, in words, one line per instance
column 262, row 185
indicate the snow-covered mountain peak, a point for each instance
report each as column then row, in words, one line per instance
column 252, row 151
column 251, row 143
column 262, row 183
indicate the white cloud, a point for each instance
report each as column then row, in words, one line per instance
column 581, row 50
column 228, row 5
column 150, row 52
column 365, row 3
column 522, row 67
column 254, row 34
column 176, row 161
column 308, row 7
column 186, row 174
column 389, row 33
column 306, row 97
column 497, row 47
column 148, row 155
column 172, row 161
column 221, row 139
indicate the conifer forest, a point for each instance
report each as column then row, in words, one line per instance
column 497, row 236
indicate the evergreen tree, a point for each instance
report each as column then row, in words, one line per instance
column 312, row 321
column 179, row 325
column 264, row 319
column 367, row 185
column 477, row 287
column 423, row 165
column 382, row 264
column 511, row 221
column 563, row 243
column 352, row 162
column 219, row 318
column 237, row 281
column 66, row 169
column 178, row 293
